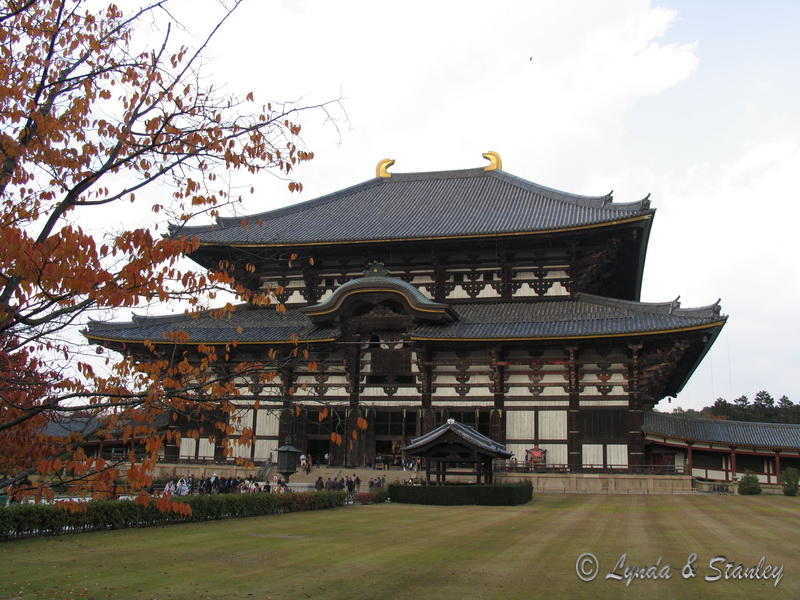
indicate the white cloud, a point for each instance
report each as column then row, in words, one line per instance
column 729, row 229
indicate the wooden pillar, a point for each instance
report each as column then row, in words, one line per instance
column 311, row 290
column 498, row 376
column 689, row 458
column 425, row 357
column 507, row 279
column 355, row 452
column 573, row 434
column 439, row 280
column 733, row 463
column 287, row 418
column 778, row 466
column 428, row 471
column 369, row 435
column 635, row 418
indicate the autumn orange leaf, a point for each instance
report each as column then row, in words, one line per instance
column 90, row 115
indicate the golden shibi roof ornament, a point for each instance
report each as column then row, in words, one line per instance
column 382, row 169
column 495, row 162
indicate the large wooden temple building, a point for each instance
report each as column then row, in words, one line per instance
column 471, row 295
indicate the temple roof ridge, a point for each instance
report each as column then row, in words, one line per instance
column 422, row 205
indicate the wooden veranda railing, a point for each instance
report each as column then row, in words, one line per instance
column 508, row 466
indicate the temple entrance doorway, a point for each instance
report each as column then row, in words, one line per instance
column 317, row 449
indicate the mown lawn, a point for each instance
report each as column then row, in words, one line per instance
column 420, row 552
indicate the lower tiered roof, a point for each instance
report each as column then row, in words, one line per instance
column 584, row 316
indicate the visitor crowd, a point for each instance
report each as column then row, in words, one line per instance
column 185, row 486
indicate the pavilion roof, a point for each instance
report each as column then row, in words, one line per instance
column 468, row 435
column 432, row 205
column 736, row 433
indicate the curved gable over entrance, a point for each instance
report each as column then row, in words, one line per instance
column 380, row 296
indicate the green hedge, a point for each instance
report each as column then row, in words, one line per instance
column 31, row 520
column 488, row 495
column 375, row 496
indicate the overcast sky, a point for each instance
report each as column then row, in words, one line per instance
column 696, row 103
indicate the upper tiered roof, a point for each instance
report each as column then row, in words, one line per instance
column 419, row 206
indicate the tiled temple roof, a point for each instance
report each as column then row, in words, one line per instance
column 585, row 316
column 471, row 202
column 735, row 433
column 245, row 323
column 469, row 435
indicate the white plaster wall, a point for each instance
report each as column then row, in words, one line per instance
column 412, row 403
column 267, row 423
column 592, row 454
column 488, row 292
column 241, row 419
column 518, row 450
column 603, row 403
column 263, row 449
column 680, row 459
column 206, row 448
column 240, row 451
column 524, row 291
column 336, row 392
column 188, row 446
column 617, row 454
column 475, row 403
column 712, row 473
column 552, row 390
column 457, row 293
column 556, row 453
column 295, row 298
column 520, row 424
column 553, row 424
column 557, row 290
column 529, row 402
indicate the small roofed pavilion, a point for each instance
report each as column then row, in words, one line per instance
column 454, row 443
